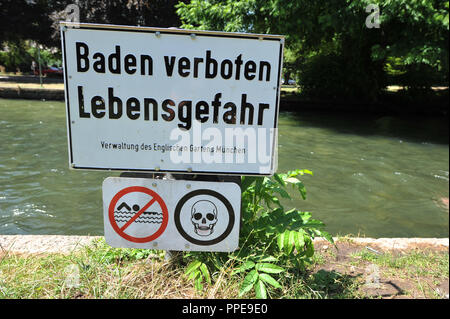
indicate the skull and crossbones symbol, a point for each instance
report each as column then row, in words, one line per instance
column 204, row 217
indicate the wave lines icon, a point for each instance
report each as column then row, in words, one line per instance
column 124, row 212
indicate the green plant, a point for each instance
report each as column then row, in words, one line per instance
column 20, row 54
column 272, row 240
column 102, row 253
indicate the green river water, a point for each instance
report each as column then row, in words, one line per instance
column 373, row 176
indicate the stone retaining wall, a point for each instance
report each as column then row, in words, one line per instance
column 31, row 94
column 35, row 244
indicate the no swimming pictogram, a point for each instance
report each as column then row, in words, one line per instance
column 138, row 214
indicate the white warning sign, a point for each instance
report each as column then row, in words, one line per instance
column 151, row 99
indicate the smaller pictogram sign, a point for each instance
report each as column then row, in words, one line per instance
column 134, row 206
column 171, row 214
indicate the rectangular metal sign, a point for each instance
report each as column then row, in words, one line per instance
column 171, row 100
column 171, row 214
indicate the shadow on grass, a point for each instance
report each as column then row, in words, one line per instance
column 332, row 284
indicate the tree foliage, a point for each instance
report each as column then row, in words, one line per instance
column 24, row 19
column 329, row 46
column 38, row 19
column 156, row 13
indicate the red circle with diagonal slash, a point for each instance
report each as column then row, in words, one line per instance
column 155, row 198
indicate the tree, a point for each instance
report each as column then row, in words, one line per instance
column 335, row 54
column 24, row 19
column 38, row 20
column 420, row 43
column 156, row 13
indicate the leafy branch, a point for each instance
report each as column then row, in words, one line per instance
column 272, row 240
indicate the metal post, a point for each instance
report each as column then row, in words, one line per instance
column 40, row 68
column 168, row 255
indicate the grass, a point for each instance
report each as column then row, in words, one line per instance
column 421, row 271
column 415, row 263
column 99, row 271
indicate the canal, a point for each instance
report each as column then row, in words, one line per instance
column 373, row 176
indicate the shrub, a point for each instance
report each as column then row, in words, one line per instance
column 273, row 241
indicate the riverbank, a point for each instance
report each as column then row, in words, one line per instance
column 30, row 88
column 31, row 93
column 393, row 101
column 37, row 266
